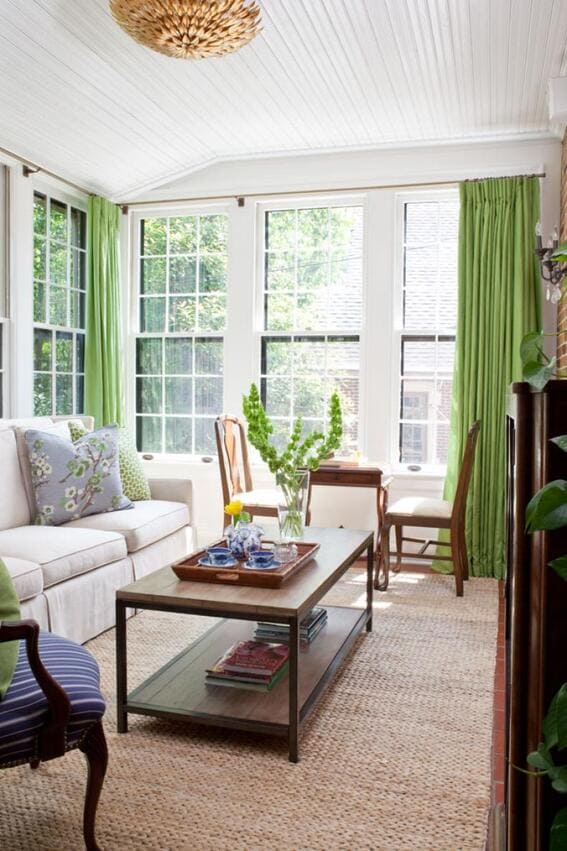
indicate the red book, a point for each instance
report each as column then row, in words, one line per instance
column 255, row 657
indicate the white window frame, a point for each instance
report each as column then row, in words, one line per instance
column 133, row 309
column 53, row 192
column 305, row 203
column 398, row 331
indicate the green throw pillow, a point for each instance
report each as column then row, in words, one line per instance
column 9, row 611
column 134, row 482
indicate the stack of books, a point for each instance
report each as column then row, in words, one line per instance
column 254, row 665
column 311, row 626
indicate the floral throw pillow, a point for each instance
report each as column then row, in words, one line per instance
column 72, row 480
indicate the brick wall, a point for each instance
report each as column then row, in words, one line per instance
column 562, row 313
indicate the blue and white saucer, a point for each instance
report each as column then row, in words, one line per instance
column 206, row 562
column 272, row 565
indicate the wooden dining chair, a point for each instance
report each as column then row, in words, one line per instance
column 236, row 479
column 436, row 514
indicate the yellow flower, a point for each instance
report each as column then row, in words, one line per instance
column 233, row 508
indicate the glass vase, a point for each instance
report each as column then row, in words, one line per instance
column 292, row 509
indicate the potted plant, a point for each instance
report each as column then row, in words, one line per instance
column 292, row 466
column 546, row 511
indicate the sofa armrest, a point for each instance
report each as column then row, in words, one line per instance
column 173, row 490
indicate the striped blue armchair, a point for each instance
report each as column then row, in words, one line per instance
column 53, row 705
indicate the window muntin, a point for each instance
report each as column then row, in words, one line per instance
column 183, row 270
column 312, row 317
column 182, row 316
column 59, row 270
column 429, row 314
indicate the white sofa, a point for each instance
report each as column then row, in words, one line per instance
column 66, row 576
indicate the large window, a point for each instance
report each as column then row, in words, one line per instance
column 312, row 316
column 59, row 290
column 182, row 317
column 427, row 338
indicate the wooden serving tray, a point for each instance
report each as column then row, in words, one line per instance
column 189, row 568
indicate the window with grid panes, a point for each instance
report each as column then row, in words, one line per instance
column 313, row 307
column 179, row 347
column 59, row 291
column 429, row 316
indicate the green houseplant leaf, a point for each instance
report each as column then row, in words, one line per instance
column 558, row 834
column 548, row 508
column 560, row 253
column 560, row 441
column 541, row 758
column 561, row 697
column 531, row 347
column 559, row 781
column 538, row 374
column 559, row 565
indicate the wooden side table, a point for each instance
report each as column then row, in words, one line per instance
column 344, row 474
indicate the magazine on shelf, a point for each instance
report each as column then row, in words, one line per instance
column 218, row 677
column 255, row 657
column 308, row 622
column 304, row 639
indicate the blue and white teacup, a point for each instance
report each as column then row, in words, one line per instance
column 219, row 555
column 261, row 558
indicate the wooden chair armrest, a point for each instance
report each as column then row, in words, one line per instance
column 52, row 735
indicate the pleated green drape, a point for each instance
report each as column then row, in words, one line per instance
column 103, row 363
column 499, row 302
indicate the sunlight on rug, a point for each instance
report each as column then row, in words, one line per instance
column 395, row 758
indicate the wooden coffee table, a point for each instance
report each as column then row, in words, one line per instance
column 178, row 689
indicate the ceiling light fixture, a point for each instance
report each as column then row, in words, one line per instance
column 189, row 29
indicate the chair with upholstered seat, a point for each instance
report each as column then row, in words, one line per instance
column 54, row 705
column 236, row 479
column 436, row 514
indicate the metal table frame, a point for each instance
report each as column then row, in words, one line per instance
column 297, row 714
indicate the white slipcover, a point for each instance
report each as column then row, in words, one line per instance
column 147, row 522
column 14, row 508
column 26, row 576
column 62, row 552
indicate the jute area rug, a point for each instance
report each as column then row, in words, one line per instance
column 395, row 758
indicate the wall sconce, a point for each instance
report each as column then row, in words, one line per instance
column 553, row 263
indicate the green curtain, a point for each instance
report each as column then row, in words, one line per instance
column 499, row 302
column 103, row 362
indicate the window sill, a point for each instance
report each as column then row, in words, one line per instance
column 426, row 472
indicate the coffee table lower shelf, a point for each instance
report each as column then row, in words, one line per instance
column 179, row 690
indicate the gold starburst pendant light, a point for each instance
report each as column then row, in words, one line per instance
column 189, row 29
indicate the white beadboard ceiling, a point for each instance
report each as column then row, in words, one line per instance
column 85, row 101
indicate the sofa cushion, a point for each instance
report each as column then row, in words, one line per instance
column 134, row 481
column 20, row 427
column 14, row 508
column 71, row 480
column 26, row 576
column 25, row 710
column 147, row 522
column 62, row 552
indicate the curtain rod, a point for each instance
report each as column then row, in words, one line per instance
column 30, row 167
column 290, row 193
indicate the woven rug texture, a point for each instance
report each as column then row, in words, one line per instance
column 396, row 756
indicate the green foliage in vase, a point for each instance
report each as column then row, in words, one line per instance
column 299, row 454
